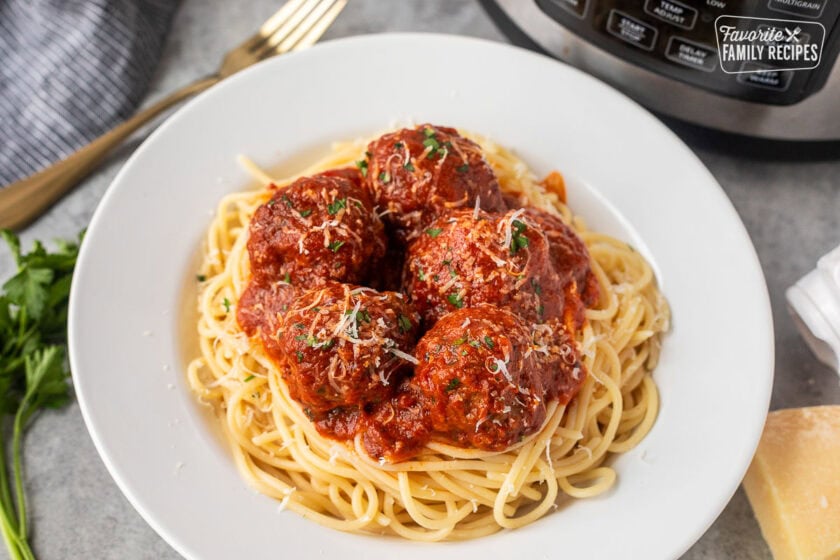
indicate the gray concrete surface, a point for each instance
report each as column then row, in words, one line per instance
column 789, row 199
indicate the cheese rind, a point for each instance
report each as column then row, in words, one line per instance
column 793, row 483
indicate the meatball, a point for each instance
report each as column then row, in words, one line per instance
column 558, row 358
column 346, row 346
column 398, row 428
column 261, row 309
column 482, row 386
column 569, row 255
column 318, row 228
column 466, row 258
column 416, row 174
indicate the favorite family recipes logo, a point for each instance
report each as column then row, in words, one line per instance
column 747, row 44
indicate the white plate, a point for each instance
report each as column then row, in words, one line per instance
column 138, row 262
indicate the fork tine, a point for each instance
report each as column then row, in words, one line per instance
column 288, row 26
column 271, row 25
column 279, row 43
column 320, row 28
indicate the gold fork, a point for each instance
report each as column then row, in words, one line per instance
column 297, row 25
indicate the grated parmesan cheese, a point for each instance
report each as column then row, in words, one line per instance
column 400, row 354
column 507, row 224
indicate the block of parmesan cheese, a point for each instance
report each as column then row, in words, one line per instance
column 793, row 483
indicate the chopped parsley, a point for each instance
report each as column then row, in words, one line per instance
column 313, row 342
column 287, row 278
column 334, row 207
column 421, row 274
column 518, row 240
column 536, row 286
column 540, row 310
column 463, row 168
column 459, row 341
column 408, row 166
column 453, row 384
column 305, row 213
column 404, row 323
column 286, row 200
column 488, row 342
column 361, row 315
column 385, row 177
column 475, row 344
column 300, row 326
column 455, row 300
column 200, row 277
column 362, row 164
column 271, row 202
column 398, row 145
column 299, row 355
column 249, row 378
column 226, row 303
column 433, row 232
column 433, row 145
column 335, row 246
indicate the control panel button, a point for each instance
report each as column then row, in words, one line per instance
column 777, row 80
column 631, row 30
column 575, row 7
column 804, row 8
column 673, row 12
column 691, row 54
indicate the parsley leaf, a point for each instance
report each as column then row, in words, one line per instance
column 362, row 164
column 433, row 232
column 29, row 289
column 455, row 300
column 335, row 246
column 336, row 205
column 405, row 323
column 518, row 240
column 453, row 384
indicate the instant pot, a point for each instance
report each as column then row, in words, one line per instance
column 664, row 54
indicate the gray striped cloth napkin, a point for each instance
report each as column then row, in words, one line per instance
column 69, row 71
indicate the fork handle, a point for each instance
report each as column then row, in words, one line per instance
column 23, row 201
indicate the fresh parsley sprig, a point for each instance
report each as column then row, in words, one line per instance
column 33, row 367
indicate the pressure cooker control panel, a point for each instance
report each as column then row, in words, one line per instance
column 676, row 38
